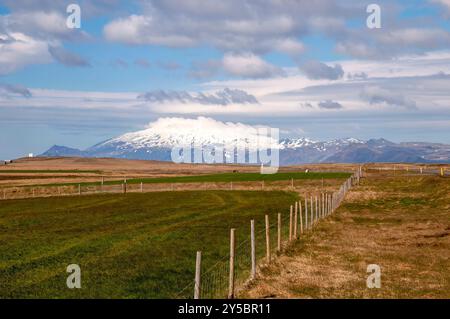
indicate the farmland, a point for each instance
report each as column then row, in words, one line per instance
column 221, row 178
column 143, row 244
column 401, row 223
column 68, row 171
column 128, row 246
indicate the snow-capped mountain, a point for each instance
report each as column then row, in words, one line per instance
column 157, row 141
column 170, row 132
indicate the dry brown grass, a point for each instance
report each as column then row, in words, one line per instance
column 113, row 169
column 399, row 223
column 110, row 169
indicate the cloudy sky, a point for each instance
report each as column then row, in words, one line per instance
column 310, row 68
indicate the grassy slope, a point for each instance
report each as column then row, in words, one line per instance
column 399, row 223
column 134, row 245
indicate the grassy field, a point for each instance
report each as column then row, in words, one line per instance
column 401, row 223
column 128, row 246
column 221, row 178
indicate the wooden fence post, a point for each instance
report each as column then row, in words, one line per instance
column 142, row 187
column 318, row 207
column 317, row 213
column 301, row 217
column 267, row 239
column 323, row 205
column 279, row 233
column 79, row 189
column 330, row 203
column 197, row 284
column 295, row 220
column 306, row 212
column 290, row 224
column 231, row 277
column 231, row 185
column 312, row 212
column 292, row 183
column 253, row 249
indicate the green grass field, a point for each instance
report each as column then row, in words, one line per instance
column 128, row 246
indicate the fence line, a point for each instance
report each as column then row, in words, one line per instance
column 247, row 256
column 21, row 192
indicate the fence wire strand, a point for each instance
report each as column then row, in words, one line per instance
column 214, row 282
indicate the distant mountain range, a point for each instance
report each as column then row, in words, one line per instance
column 151, row 144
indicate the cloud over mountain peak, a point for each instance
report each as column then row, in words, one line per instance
column 223, row 97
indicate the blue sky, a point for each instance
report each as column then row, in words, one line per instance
column 314, row 68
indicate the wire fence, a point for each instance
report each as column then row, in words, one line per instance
column 35, row 191
column 214, row 281
column 271, row 237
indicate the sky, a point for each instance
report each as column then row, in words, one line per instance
column 310, row 68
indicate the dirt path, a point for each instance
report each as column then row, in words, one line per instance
column 400, row 223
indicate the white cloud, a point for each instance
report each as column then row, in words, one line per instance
column 444, row 3
column 392, row 42
column 18, row 50
column 90, row 7
column 290, row 46
column 34, row 37
column 138, row 29
column 415, row 37
column 43, row 25
column 234, row 25
column 412, row 81
column 356, row 49
column 38, row 23
column 248, row 65
column 273, row 26
column 82, row 100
